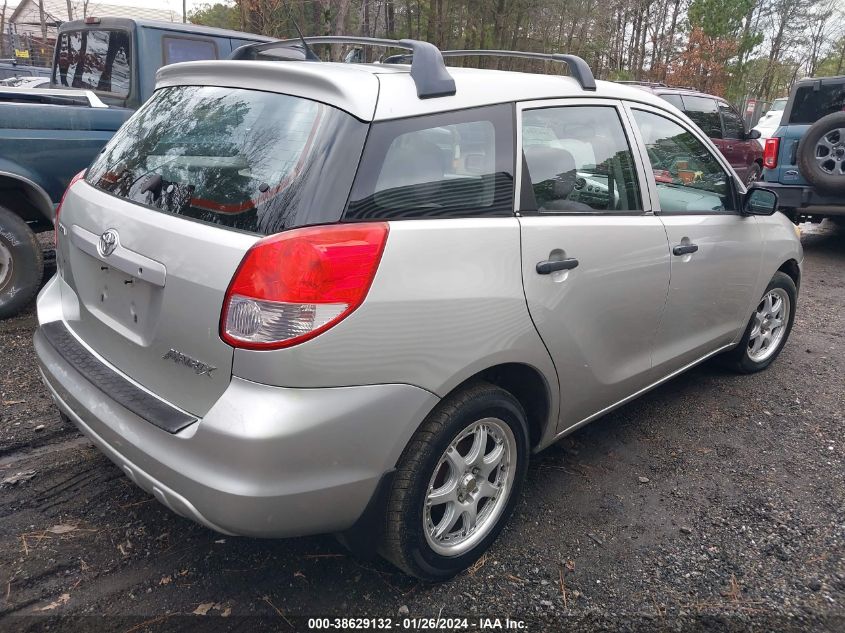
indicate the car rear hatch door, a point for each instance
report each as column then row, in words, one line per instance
column 146, row 290
column 151, row 239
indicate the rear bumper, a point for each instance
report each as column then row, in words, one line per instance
column 264, row 461
column 806, row 199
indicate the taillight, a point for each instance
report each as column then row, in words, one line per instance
column 72, row 182
column 292, row 286
column 770, row 153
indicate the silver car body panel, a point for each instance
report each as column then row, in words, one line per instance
column 598, row 320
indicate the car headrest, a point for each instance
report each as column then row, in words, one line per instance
column 548, row 163
column 408, row 165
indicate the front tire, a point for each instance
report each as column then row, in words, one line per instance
column 456, row 483
column 769, row 327
column 21, row 264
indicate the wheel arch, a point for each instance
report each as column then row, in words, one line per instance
column 791, row 268
column 26, row 198
column 531, row 389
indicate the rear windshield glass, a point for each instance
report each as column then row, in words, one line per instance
column 243, row 159
column 811, row 105
column 96, row 60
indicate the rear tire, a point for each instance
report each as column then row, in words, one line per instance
column 21, row 264
column 768, row 329
column 446, row 472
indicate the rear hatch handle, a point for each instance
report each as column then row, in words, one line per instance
column 107, row 248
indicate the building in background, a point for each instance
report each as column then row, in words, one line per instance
column 29, row 29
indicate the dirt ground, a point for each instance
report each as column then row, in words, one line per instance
column 716, row 502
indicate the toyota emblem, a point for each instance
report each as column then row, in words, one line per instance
column 108, row 242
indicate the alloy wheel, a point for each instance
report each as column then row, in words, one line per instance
column 770, row 321
column 470, row 486
column 830, row 152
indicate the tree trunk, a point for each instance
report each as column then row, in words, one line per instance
column 43, row 20
column 3, row 30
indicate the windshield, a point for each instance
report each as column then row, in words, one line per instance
column 778, row 105
column 237, row 158
column 96, row 60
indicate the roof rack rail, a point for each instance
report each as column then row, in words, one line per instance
column 578, row 68
column 658, row 84
column 652, row 84
column 428, row 70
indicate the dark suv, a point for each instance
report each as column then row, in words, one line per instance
column 805, row 158
column 721, row 122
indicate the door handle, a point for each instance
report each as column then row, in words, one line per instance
column 553, row 265
column 685, row 249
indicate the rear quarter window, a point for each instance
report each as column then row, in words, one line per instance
column 456, row 164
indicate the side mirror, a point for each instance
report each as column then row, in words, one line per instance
column 753, row 135
column 760, row 201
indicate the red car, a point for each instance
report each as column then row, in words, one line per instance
column 721, row 122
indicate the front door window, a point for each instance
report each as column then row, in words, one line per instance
column 689, row 177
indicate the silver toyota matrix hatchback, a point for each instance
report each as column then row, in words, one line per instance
column 297, row 297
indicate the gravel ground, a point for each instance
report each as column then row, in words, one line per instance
column 716, row 502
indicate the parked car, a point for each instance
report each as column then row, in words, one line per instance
column 805, row 158
column 10, row 69
column 25, row 82
column 302, row 297
column 42, row 146
column 770, row 121
column 721, row 122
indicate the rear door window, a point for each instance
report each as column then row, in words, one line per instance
column 811, row 105
column 187, row 49
column 704, row 113
column 96, row 60
column 457, row 164
column 248, row 160
column 734, row 126
column 578, row 160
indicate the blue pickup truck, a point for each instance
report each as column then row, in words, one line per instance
column 103, row 69
column 804, row 160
